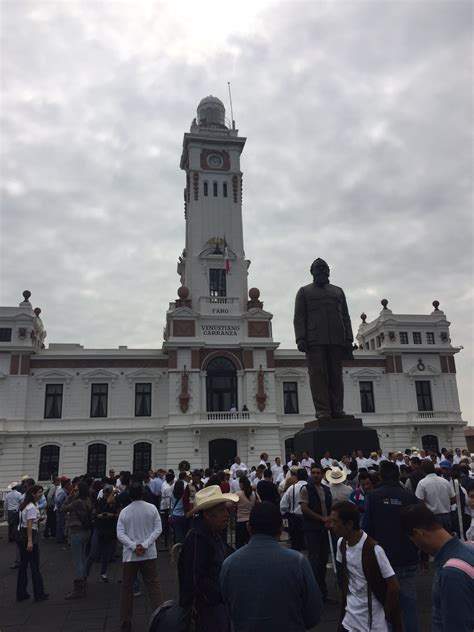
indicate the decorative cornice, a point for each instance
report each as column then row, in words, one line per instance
column 100, row 375
column 56, row 376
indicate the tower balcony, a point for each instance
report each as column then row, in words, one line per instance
column 217, row 417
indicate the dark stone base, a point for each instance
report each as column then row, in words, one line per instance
column 339, row 436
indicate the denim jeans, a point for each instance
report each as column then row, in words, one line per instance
column 180, row 528
column 60, row 524
column 406, row 576
column 79, row 545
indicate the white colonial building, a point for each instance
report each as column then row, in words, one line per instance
column 69, row 409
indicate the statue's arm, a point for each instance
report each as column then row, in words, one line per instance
column 346, row 320
column 299, row 320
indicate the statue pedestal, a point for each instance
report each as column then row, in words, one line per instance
column 339, row 436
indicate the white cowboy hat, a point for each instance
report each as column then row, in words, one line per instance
column 210, row 497
column 12, row 485
column 335, row 476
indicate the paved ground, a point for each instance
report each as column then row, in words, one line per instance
column 99, row 611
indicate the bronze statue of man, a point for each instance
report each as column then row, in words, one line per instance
column 323, row 331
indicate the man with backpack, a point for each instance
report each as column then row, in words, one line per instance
column 370, row 589
column 291, row 509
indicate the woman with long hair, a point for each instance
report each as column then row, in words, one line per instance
column 78, row 508
column 247, row 499
column 27, row 538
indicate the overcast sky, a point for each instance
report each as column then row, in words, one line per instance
column 358, row 117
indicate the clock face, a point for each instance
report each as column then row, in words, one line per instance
column 215, row 161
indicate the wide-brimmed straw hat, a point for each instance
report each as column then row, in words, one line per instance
column 210, row 497
column 12, row 485
column 335, row 476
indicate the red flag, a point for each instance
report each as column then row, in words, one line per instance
column 227, row 260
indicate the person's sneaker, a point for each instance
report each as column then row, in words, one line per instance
column 43, row 597
column 104, row 579
column 137, row 593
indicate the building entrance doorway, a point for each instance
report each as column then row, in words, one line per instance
column 430, row 443
column 222, row 453
column 221, row 385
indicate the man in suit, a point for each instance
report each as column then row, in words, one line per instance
column 323, row 331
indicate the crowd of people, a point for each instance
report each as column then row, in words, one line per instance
column 376, row 519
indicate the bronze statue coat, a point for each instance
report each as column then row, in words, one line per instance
column 321, row 316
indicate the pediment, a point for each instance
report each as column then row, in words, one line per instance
column 55, row 375
column 420, row 368
column 143, row 375
column 366, row 374
column 256, row 312
column 183, row 312
column 99, row 375
column 291, row 374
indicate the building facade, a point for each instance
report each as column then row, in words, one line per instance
column 219, row 386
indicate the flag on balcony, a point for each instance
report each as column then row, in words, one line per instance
column 226, row 257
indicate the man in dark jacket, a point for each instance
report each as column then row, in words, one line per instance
column 267, row 490
column 315, row 501
column 381, row 521
column 323, row 331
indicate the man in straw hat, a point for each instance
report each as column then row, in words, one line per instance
column 200, row 562
column 336, row 477
column 12, row 506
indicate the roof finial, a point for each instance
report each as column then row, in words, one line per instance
column 384, row 303
column 363, row 317
column 435, row 305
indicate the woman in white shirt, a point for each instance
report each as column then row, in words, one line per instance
column 247, row 499
column 28, row 546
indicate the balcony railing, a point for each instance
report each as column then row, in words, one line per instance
column 225, row 416
column 428, row 414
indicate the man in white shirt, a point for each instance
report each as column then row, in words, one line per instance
column 237, row 465
column 344, row 464
column 138, row 528
column 277, row 469
column 399, row 459
column 360, row 611
column 12, row 505
column 326, row 461
column 437, row 494
column 293, row 458
column 290, row 504
column 457, row 456
column 307, row 462
column 361, row 460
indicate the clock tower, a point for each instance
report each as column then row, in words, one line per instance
column 213, row 262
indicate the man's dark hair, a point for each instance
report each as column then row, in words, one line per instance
column 265, row 519
column 389, row 472
column 416, row 460
column 29, row 482
column 418, row 517
column 135, row 489
column 125, row 477
column 301, row 474
column 348, row 512
column 428, row 466
column 169, row 478
column 268, row 474
column 262, row 467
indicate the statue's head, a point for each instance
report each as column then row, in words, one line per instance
column 320, row 271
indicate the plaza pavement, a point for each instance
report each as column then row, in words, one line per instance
column 99, row 611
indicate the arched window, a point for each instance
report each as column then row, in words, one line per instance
column 49, row 462
column 221, row 385
column 142, row 457
column 214, row 186
column 224, row 189
column 206, row 189
column 97, row 460
column 222, row 453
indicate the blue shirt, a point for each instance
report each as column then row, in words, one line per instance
column 282, row 594
column 453, row 588
column 155, row 485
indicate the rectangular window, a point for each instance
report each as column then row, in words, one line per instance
column 378, row 341
column 53, row 401
column 206, row 189
column 214, row 186
column 430, row 338
column 372, row 344
column 367, row 404
column 416, row 338
column 217, row 282
column 99, row 394
column 224, row 189
column 423, row 395
column 403, row 337
column 290, row 398
column 5, row 334
column 142, row 400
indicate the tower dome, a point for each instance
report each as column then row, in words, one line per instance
column 211, row 112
